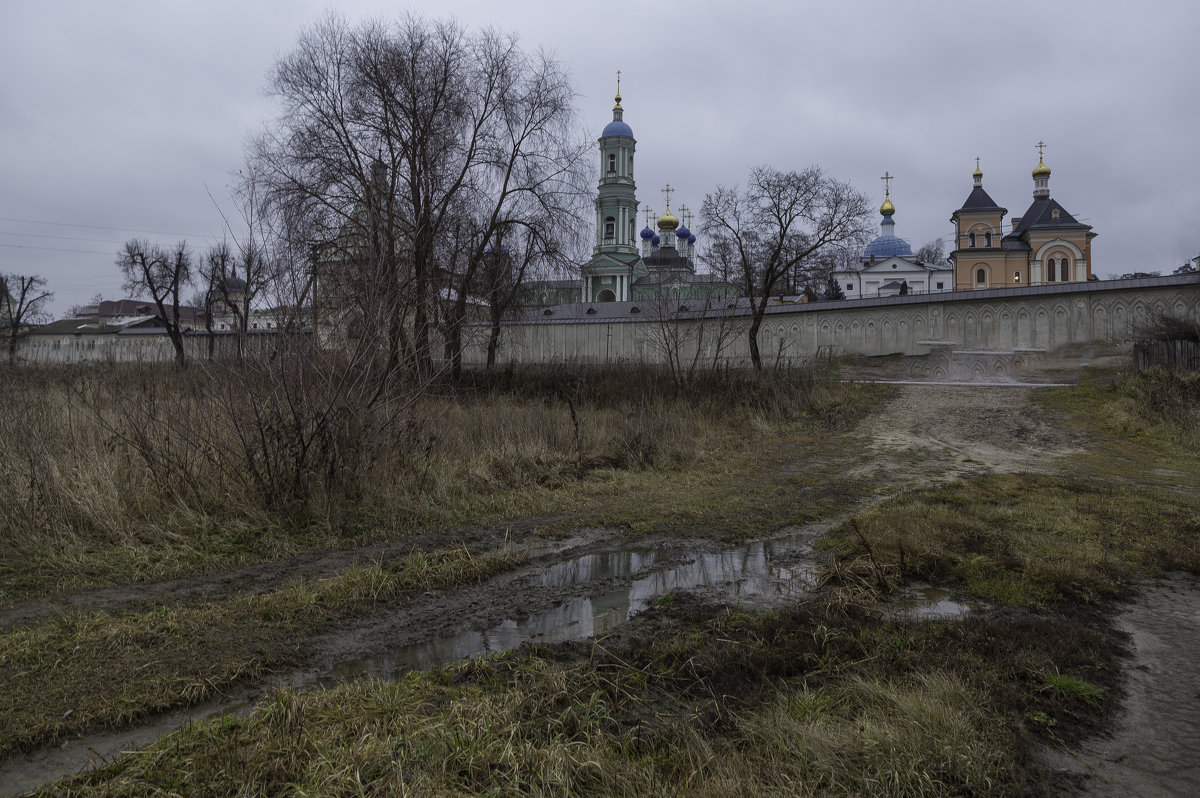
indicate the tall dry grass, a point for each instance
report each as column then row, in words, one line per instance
column 136, row 472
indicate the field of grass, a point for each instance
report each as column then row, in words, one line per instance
column 832, row 696
column 113, row 476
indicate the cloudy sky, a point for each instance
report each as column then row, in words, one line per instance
column 128, row 118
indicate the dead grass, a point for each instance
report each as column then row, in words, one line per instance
column 70, row 673
column 116, row 475
column 818, row 700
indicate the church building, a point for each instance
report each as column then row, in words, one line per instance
column 666, row 264
column 1044, row 246
column 888, row 266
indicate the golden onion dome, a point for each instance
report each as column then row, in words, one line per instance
column 668, row 221
column 978, row 172
column 1041, row 170
column 887, row 208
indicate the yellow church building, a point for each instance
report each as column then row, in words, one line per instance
column 1045, row 246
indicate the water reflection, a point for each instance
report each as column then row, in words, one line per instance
column 742, row 573
column 925, row 602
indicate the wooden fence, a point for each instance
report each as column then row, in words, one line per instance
column 1177, row 354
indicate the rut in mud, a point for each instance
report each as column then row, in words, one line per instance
column 590, row 583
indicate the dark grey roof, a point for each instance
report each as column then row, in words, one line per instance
column 979, row 200
column 666, row 257
column 1040, row 213
column 632, row 311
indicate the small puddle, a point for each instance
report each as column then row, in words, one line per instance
column 923, row 602
column 747, row 572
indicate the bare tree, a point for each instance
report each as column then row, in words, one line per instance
column 22, row 303
column 402, row 150
column 932, row 253
column 778, row 223
column 164, row 275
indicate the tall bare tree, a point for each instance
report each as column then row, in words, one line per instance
column 401, row 150
column 164, row 275
column 22, row 303
column 778, row 223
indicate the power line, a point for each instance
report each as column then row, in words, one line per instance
column 61, row 238
column 103, row 227
column 55, row 249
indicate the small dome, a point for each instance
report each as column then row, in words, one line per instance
column 887, row 247
column 682, row 232
column 978, row 172
column 668, row 221
column 656, row 240
column 887, row 208
column 647, row 234
column 1041, row 170
column 235, row 284
column 617, row 128
column 691, row 239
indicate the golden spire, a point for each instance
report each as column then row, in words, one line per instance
column 668, row 221
column 1041, row 170
column 618, row 97
column 978, row 172
column 887, row 208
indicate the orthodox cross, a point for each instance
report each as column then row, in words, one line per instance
column 976, row 163
column 618, row 87
column 887, row 183
column 649, row 213
column 1040, row 147
column 685, row 215
column 667, row 191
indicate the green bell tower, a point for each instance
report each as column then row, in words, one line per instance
column 607, row 275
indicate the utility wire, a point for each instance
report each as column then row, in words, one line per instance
column 103, row 227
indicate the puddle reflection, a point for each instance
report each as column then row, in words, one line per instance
column 745, row 572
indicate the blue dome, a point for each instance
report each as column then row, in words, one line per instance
column 617, row 128
column 497, row 249
column 682, row 232
column 656, row 240
column 647, row 234
column 887, row 247
column 691, row 239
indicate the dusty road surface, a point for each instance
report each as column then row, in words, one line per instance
column 589, row 582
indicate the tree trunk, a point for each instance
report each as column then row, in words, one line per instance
column 755, row 357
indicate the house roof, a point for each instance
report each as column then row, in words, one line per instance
column 978, row 200
column 1041, row 215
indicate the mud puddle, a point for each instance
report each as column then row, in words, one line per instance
column 921, row 602
column 762, row 573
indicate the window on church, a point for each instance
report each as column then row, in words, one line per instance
column 980, row 276
column 939, row 285
column 610, row 229
column 1063, row 266
column 1016, row 277
column 631, row 164
column 1050, row 270
column 987, row 239
column 612, row 164
column 849, row 286
column 971, row 240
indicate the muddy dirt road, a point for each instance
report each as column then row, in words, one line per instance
column 589, row 582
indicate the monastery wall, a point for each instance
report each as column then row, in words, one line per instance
column 1035, row 319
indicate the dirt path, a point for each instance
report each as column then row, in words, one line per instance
column 939, row 433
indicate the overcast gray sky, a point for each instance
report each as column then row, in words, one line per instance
column 118, row 118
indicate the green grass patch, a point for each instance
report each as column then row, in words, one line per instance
column 69, row 673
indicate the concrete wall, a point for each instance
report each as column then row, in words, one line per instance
column 1038, row 318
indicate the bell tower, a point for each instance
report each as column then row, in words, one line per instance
column 607, row 274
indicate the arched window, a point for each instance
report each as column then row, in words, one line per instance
column 971, row 240
column 1050, row 270
column 610, row 229
column 612, row 164
column 631, row 164
column 987, row 239
column 606, row 296
column 1064, row 266
column 981, row 276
